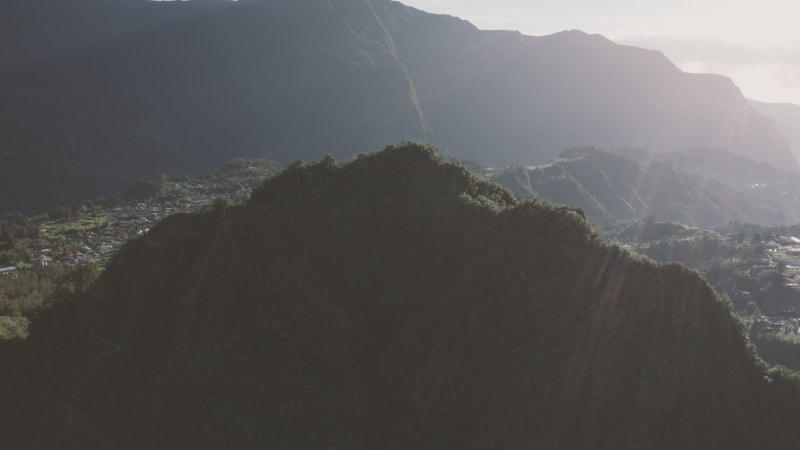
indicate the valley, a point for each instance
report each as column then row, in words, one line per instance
column 182, row 87
column 572, row 243
column 92, row 232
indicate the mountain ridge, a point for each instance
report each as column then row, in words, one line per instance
column 185, row 87
column 701, row 187
column 393, row 301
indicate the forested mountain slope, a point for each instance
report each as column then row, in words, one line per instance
column 393, row 302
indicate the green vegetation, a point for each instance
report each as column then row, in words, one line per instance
column 13, row 327
column 44, row 250
column 24, row 293
column 755, row 266
column 394, row 302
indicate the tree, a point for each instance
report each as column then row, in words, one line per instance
column 781, row 267
column 7, row 241
column 220, row 204
column 752, row 309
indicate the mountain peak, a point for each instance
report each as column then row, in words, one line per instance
column 394, row 301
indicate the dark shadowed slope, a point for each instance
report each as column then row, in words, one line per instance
column 96, row 94
column 394, row 302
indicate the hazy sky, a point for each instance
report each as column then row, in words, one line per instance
column 756, row 43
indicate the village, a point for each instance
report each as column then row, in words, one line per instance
column 96, row 233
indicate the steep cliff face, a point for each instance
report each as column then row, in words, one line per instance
column 394, row 302
column 97, row 94
column 281, row 79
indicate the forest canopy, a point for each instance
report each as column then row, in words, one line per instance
column 397, row 301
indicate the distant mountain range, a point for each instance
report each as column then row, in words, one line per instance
column 95, row 94
column 701, row 187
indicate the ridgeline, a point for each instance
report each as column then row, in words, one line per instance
column 397, row 301
column 182, row 87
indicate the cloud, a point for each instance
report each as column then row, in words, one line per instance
column 716, row 55
column 789, row 75
column 768, row 72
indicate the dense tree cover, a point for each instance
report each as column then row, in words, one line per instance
column 13, row 228
column 744, row 262
column 779, row 348
column 394, row 302
column 732, row 259
column 24, row 293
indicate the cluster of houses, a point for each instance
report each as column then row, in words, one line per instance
column 98, row 234
column 788, row 254
column 121, row 223
column 782, row 325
